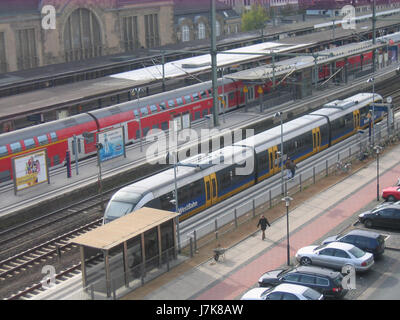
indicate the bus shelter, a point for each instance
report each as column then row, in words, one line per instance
column 123, row 252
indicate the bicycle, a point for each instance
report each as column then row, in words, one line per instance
column 342, row 167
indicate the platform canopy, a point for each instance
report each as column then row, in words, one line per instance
column 127, row 227
column 301, row 62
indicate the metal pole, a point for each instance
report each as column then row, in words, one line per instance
column 282, row 152
column 100, row 183
column 214, row 65
column 223, row 95
column 377, row 175
column 163, row 70
column 373, row 111
column 287, row 234
column 76, row 154
column 374, row 35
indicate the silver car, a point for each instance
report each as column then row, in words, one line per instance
column 336, row 255
column 283, row 291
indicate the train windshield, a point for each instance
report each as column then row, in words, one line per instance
column 121, row 205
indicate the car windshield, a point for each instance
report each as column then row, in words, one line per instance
column 118, row 209
column 311, row 294
column 262, row 296
column 358, row 253
column 320, row 247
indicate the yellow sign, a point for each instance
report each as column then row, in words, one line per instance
column 245, row 89
column 260, row 90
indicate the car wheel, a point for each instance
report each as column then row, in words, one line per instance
column 391, row 198
column 368, row 223
column 305, row 261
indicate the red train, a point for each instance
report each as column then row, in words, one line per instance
column 152, row 112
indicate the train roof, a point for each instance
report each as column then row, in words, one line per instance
column 200, row 166
column 44, row 128
column 272, row 137
column 335, row 109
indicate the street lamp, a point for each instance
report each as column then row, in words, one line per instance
column 287, row 200
column 279, row 115
column 372, row 80
column 377, row 150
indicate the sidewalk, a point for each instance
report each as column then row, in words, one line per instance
column 246, row 260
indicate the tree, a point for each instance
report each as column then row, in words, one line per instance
column 255, row 18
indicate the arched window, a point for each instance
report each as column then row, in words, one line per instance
column 217, row 28
column 202, row 30
column 82, row 38
column 185, row 33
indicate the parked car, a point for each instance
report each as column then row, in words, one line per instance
column 365, row 240
column 336, row 255
column 381, row 216
column 324, row 280
column 283, row 292
column 391, row 194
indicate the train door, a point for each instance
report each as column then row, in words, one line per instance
column 356, row 119
column 210, row 183
column 316, row 133
column 274, row 160
column 76, row 145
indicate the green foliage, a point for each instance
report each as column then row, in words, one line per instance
column 254, row 18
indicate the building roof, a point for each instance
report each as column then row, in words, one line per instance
column 195, row 6
column 120, row 230
column 11, row 7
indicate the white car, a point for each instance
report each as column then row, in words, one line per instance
column 283, row 291
column 336, row 255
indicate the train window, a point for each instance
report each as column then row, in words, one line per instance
column 166, row 203
column 203, row 94
column 137, row 134
column 205, row 112
column 195, row 96
column 162, row 105
column 153, row 108
column 136, row 113
column 179, row 101
column 188, row 99
column 53, row 136
column 164, row 125
column 43, row 140
column 155, row 126
column 5, row 175
column 15, row 147
column 196, row 115
column 145, row 130
column 144, row 111
column 231, row 96
column 29, row 143
column 3, row 151
column 209, row 92
column 56, row 159
column 171, row 103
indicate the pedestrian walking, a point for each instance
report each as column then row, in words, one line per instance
column 263, row 222
column 291, row 168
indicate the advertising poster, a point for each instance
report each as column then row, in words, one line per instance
column 113, row 144
column 30, row 170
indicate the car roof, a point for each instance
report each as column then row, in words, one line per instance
column 340, row 245
column 364, row 233
column 317, row 271
column 293, row 288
